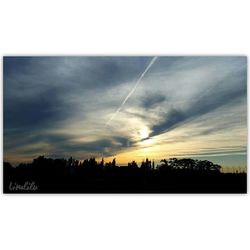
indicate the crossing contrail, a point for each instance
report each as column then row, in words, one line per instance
column 132, row 90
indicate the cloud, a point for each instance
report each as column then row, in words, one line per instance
column 152, row 100
column 62, row 144
column 39, row 89
column 231, row 89
column 59, row 105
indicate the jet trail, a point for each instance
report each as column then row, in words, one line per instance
column 133, row 89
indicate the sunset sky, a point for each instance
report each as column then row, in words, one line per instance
column 129, row 108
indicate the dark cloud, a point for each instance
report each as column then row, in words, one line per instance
column 86, row 72
column 39, row 91
column 173, row 118
column 152, row 100
column 58, row 144
column 43, row 110
column 102, row 147
column 15, row 65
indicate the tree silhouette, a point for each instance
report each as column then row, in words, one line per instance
column 188, row 165
column 133, row 165
column 89, row 176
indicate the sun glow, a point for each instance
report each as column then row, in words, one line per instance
column 144, row 133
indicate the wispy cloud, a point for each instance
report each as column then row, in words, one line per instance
column 133, row 89
column 59, row 105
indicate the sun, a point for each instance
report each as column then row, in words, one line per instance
column 144, row 133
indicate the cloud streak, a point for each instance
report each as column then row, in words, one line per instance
column 58, row 106
column 132, row 90
column 231, row 89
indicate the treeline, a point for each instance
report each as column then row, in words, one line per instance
column 171, row 164
column 91, row 176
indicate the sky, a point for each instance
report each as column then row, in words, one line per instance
column 127, row 108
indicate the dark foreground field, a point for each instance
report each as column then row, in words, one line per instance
column 69, row 176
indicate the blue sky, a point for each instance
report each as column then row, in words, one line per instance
column 183, row 107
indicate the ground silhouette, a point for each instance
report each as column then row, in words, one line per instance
column 46, row 175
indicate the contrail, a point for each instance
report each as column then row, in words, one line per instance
column 133, row 89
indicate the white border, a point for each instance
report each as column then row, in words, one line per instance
column 129, row 27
